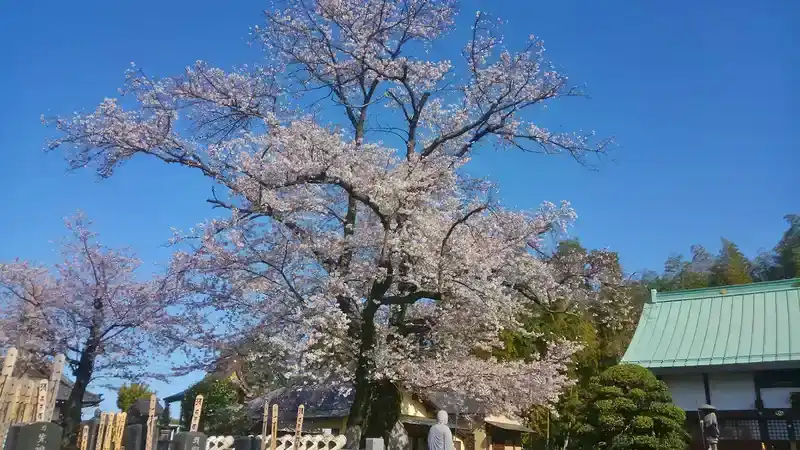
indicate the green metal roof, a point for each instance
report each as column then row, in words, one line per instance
column 745, row 324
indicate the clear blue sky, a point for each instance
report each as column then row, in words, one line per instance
column 702, row 96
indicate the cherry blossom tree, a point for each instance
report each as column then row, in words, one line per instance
column 90, row 307
column 357, row 252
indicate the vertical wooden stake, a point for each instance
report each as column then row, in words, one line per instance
column 6, row 379
column 12, row 410
column 151, row 422
column 102, row 429
column 84, row 440
column 198, row 409
column 30, row 402
column 122, row 418
column 9, row 412
column 298, row 430
column 55, row 381
column 41, row 402
column 274, row 440
column 264, row 425
column 108, row 436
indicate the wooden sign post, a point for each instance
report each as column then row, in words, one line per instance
column 274, row 440
column 198, row 409
column 298, row 430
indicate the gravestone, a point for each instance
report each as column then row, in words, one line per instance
column 11, row 437
column 189, row 440
column 134, row 437
column 246, row 443
column 36, row 436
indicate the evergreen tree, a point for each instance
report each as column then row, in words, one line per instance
column 787, row 252
column 224, row 412
column 731, row 266
column 128, row 394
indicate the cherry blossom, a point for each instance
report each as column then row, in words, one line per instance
column 359, row 251
column 91, row 308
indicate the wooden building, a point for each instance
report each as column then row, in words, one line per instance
column 735, row 347
column 326, row 411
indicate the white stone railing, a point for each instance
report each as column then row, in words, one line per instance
column 286, row 442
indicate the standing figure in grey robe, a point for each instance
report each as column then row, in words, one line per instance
column 439, row 436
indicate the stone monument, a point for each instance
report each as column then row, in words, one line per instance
column 710, row 426
column 440, row 437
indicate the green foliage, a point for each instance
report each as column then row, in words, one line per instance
column 787, row 252
column 626, row 407
column 128, row 394
column 603, row 346
column 731, row 266
column 223, row 410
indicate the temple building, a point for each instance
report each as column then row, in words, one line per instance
column 734, row 347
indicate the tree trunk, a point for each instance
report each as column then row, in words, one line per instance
column 359, row 410
column 384, row 411
column 74, row 406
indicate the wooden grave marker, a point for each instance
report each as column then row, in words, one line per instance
column 264, row 425
column 274, row 440
column 52, row 389
column 198, row 409
column 83, row 441
column 151, row 421
column 41, row 401
column 298, row 430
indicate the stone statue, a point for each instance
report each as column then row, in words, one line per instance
column 710, row 426
column 439, row 436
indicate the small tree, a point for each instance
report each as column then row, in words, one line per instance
column 91, row 307
column 626, row 407
column 128, row 394
column 223, row 410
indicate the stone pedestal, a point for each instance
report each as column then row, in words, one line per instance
column 374, row 444
column 134, row 437
column 246, row 443
column 189, row 441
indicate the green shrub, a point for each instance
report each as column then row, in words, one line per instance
column 626, row 407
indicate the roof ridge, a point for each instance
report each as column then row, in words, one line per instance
column 724, row 291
